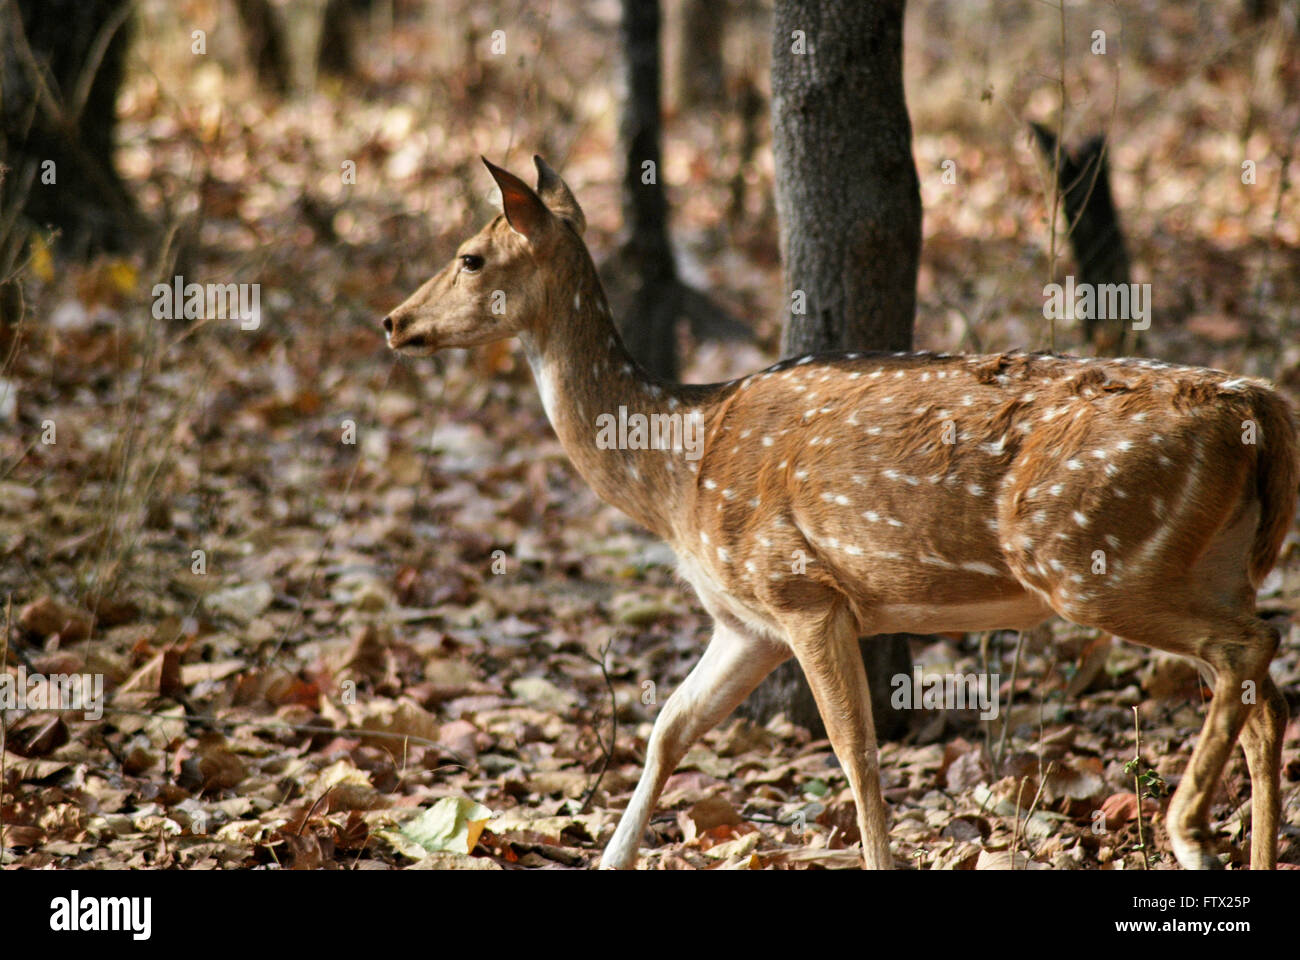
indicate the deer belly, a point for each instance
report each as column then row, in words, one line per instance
column 1014, row 613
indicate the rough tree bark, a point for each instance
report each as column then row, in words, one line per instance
column 849, row 205
column 61, row 65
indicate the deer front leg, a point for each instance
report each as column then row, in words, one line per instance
column 732, row 666
column 828, row 652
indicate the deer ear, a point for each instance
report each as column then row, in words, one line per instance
column 555, row 193
column 524, row 209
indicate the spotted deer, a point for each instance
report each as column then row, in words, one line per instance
column 840, row 495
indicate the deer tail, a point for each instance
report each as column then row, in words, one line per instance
column 1277, row 480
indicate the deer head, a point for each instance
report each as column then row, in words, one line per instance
column 502, row 281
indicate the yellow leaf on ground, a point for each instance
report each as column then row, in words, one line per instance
column 452, row 824
column 740, row 847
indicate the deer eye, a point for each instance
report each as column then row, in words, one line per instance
column 471, row 262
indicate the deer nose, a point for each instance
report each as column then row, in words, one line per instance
column 388, row 325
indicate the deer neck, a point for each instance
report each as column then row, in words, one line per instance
column 616, row 422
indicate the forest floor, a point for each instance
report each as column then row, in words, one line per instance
column 339, row 595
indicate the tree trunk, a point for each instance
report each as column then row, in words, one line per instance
column 753, row 110
column 61, row 65
column 649, row 318
column 265, row 39
column 645, row 291
column 699, row 56
column 292, row 43
column 849, row 204
column 342, row 20
column 847, row 194
column 1092, row 222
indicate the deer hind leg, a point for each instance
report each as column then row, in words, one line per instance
column 828, row 652
column 732, row 666
column 1239, row 654
column 1261, row 739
